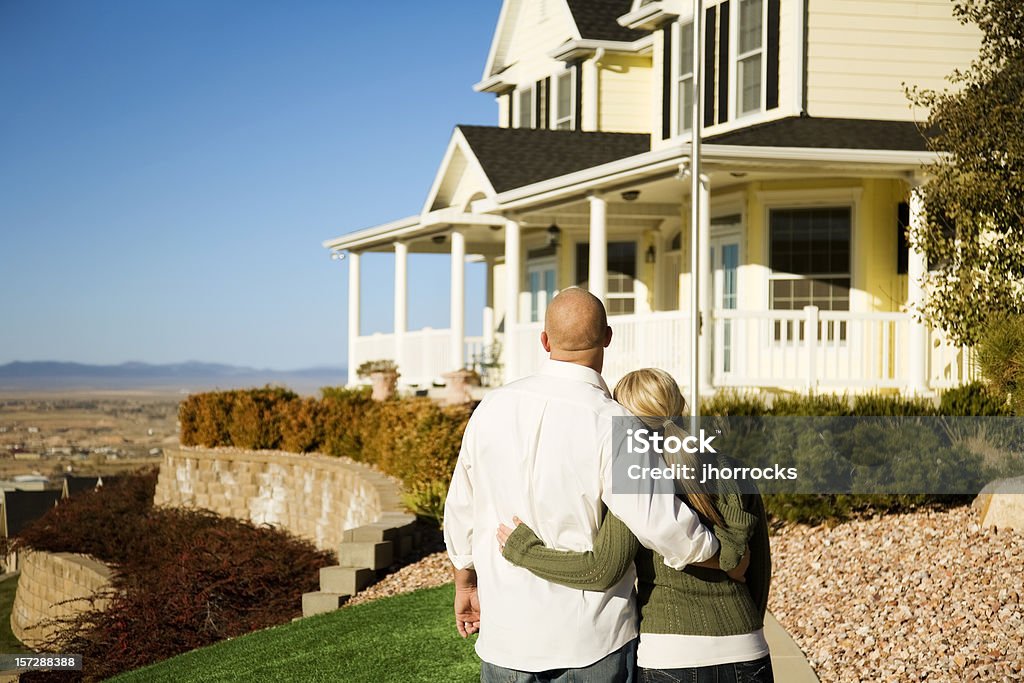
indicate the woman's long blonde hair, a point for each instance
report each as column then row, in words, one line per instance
column 653, row 396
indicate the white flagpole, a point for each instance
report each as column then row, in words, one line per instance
column 695, row 189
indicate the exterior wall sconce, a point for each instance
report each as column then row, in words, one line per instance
column 631, row 195
column 651, row 254
column 554, row 232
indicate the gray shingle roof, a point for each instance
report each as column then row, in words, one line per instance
column 514, row 157
column 596, row 19
column 825, row 133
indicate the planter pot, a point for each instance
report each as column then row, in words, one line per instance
column 457, row 386
column 383, row 384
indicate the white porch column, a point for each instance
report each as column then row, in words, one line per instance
column 488, row 316
column 510, row 352
column 353, row 315
column 706, row 289
column 458, row 315
column 598, row 247
column 917, row 266
column 401, row 300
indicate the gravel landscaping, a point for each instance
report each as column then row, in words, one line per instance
column 926, row 596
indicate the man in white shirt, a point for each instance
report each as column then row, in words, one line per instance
column 541, row 448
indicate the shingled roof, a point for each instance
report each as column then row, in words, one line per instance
column 806, row 131
column 596, row 19
column 515, row 157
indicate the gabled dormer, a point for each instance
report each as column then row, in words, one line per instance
column 569, row 65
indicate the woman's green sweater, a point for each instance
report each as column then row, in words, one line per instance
column 692, row 601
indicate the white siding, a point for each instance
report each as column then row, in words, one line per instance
column 625, row 84
column 861, row 52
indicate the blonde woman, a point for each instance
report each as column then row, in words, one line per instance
column 696, row 624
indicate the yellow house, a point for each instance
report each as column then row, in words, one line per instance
column 811, row 160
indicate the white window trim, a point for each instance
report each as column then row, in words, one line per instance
column 553, row 100
column 532, row 89
column 734, row 59
column 795, row 199
column 677, row 41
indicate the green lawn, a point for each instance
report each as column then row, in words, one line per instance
column 8, row 643
column 410, row 637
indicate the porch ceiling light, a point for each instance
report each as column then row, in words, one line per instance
column 554, row 232
column 631, row 195
column 437, row 239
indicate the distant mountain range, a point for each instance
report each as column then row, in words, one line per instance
column 189, row 376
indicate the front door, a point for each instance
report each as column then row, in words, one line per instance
column 725, row 261
column 540, row 274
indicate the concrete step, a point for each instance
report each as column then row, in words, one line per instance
column 366, row 554
column 320, row 602
column 347, row 580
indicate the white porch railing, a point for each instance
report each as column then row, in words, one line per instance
column 835, row 350
column 424, row 357
column 644, row 340
column 795, row 350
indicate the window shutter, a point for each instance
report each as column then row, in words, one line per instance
column 666, row 83
column 709, row 66
column 538, row 104
column 723, row 62
column 578, row 80
column 902, row 243
column 547, row 103
column 511, row 108
column 772, row 90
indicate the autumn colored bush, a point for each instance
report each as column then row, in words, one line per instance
column 182, row 579
column 414, row 439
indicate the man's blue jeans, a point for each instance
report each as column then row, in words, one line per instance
column 618, row 667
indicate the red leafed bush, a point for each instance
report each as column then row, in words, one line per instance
column 182, row 579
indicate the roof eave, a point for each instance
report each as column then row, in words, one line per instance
column 576, row 49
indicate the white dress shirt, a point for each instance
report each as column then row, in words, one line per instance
column 541, row 448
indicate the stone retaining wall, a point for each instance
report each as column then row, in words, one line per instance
column 316, row 497
column 47, row 583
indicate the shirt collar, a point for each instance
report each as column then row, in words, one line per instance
column 580, row 373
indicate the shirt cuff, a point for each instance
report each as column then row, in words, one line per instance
column 461, row 561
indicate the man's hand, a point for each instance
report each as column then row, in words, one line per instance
column 467, row 603
column 738, row 573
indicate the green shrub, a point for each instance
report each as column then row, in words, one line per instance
column 426, row 500
column 733, row 404
column 974, row 399
column 825, row 405
column 868, row 405
column 1000, row 355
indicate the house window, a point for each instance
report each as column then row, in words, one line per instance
column 810, row 264
column 621, row 283
column 562, row 117
column 749, row 56
column 525, row 106
column 684, row 78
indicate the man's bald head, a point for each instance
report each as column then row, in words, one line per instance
column 576, row 321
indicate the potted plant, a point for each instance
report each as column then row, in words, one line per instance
column 383, row 376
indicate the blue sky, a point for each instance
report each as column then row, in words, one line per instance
column 169, row 169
